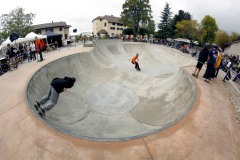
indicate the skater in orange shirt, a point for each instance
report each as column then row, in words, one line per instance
column 134, row 61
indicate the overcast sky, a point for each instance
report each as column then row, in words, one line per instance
column 79, row 14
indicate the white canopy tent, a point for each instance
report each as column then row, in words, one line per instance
column 182, row 40
column 7, row 41
column 31, row 36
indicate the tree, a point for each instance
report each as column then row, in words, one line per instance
column 222, row 38
column 164, row 26
column 16, row 21
column 182, row 15
column 143, row 32
column 234, row 37
column 210, row 27
column 151, row 27
column 187, row 29
column 128, row 31
column 136, row 13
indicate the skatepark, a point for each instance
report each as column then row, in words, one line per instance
column 116, row 112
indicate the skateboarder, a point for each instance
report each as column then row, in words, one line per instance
column 58, row 85
column 134, row 61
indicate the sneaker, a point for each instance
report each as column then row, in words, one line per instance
column 41, row 111
column 38, row 104
column 36, row 107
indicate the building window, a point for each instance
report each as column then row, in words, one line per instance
column 49, row 29
column 38, row 32
column 60, row 28
column 113, row 24
column 105, row 24
column 66, row 37
column 112, row 28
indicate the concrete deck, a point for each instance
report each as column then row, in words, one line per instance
column 208, row 131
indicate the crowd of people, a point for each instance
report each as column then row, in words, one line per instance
column 17, row 53
column 214, row 59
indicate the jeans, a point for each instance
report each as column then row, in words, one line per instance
column 49, row 101
column 40, row 54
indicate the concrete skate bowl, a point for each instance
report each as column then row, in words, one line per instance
column 110, row 100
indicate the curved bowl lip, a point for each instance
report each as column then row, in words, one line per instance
column 189, row 106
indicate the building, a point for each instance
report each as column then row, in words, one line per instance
column 56, row 27
column 109, row 25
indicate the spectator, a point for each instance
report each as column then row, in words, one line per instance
column 228, row 74
column 32, row 51
column 202, row 58
column 210, row 63
column 217, row 64
column 11, row 53
column 39, row 47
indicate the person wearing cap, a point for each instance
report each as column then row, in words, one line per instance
column 134, row 61
column 57, row 86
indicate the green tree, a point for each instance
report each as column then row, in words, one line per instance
column 222, row 38
column 128, row 31
column 151, row 27
column 234, row 37
column 182, row 15
column 143, row 32
column 136, row 13
column 16, row 21
column 210, row 27
column 164, row 26
column 187, row 29
column 200, row 34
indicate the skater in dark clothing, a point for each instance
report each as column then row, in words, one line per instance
column 134, row 61
column 202, row 58
column 58, row 85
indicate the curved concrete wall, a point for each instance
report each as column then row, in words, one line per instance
column 164, row 92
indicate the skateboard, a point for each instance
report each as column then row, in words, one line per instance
column 39, row 109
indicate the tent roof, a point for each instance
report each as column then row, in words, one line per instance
column 182, row 40
column 19, row 40
column 32, row 36
column 52, row 34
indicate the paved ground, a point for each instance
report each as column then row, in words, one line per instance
column 208, row 131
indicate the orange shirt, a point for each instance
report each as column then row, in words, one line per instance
column 38, row 43
column 134, row 59
column 43, row 44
